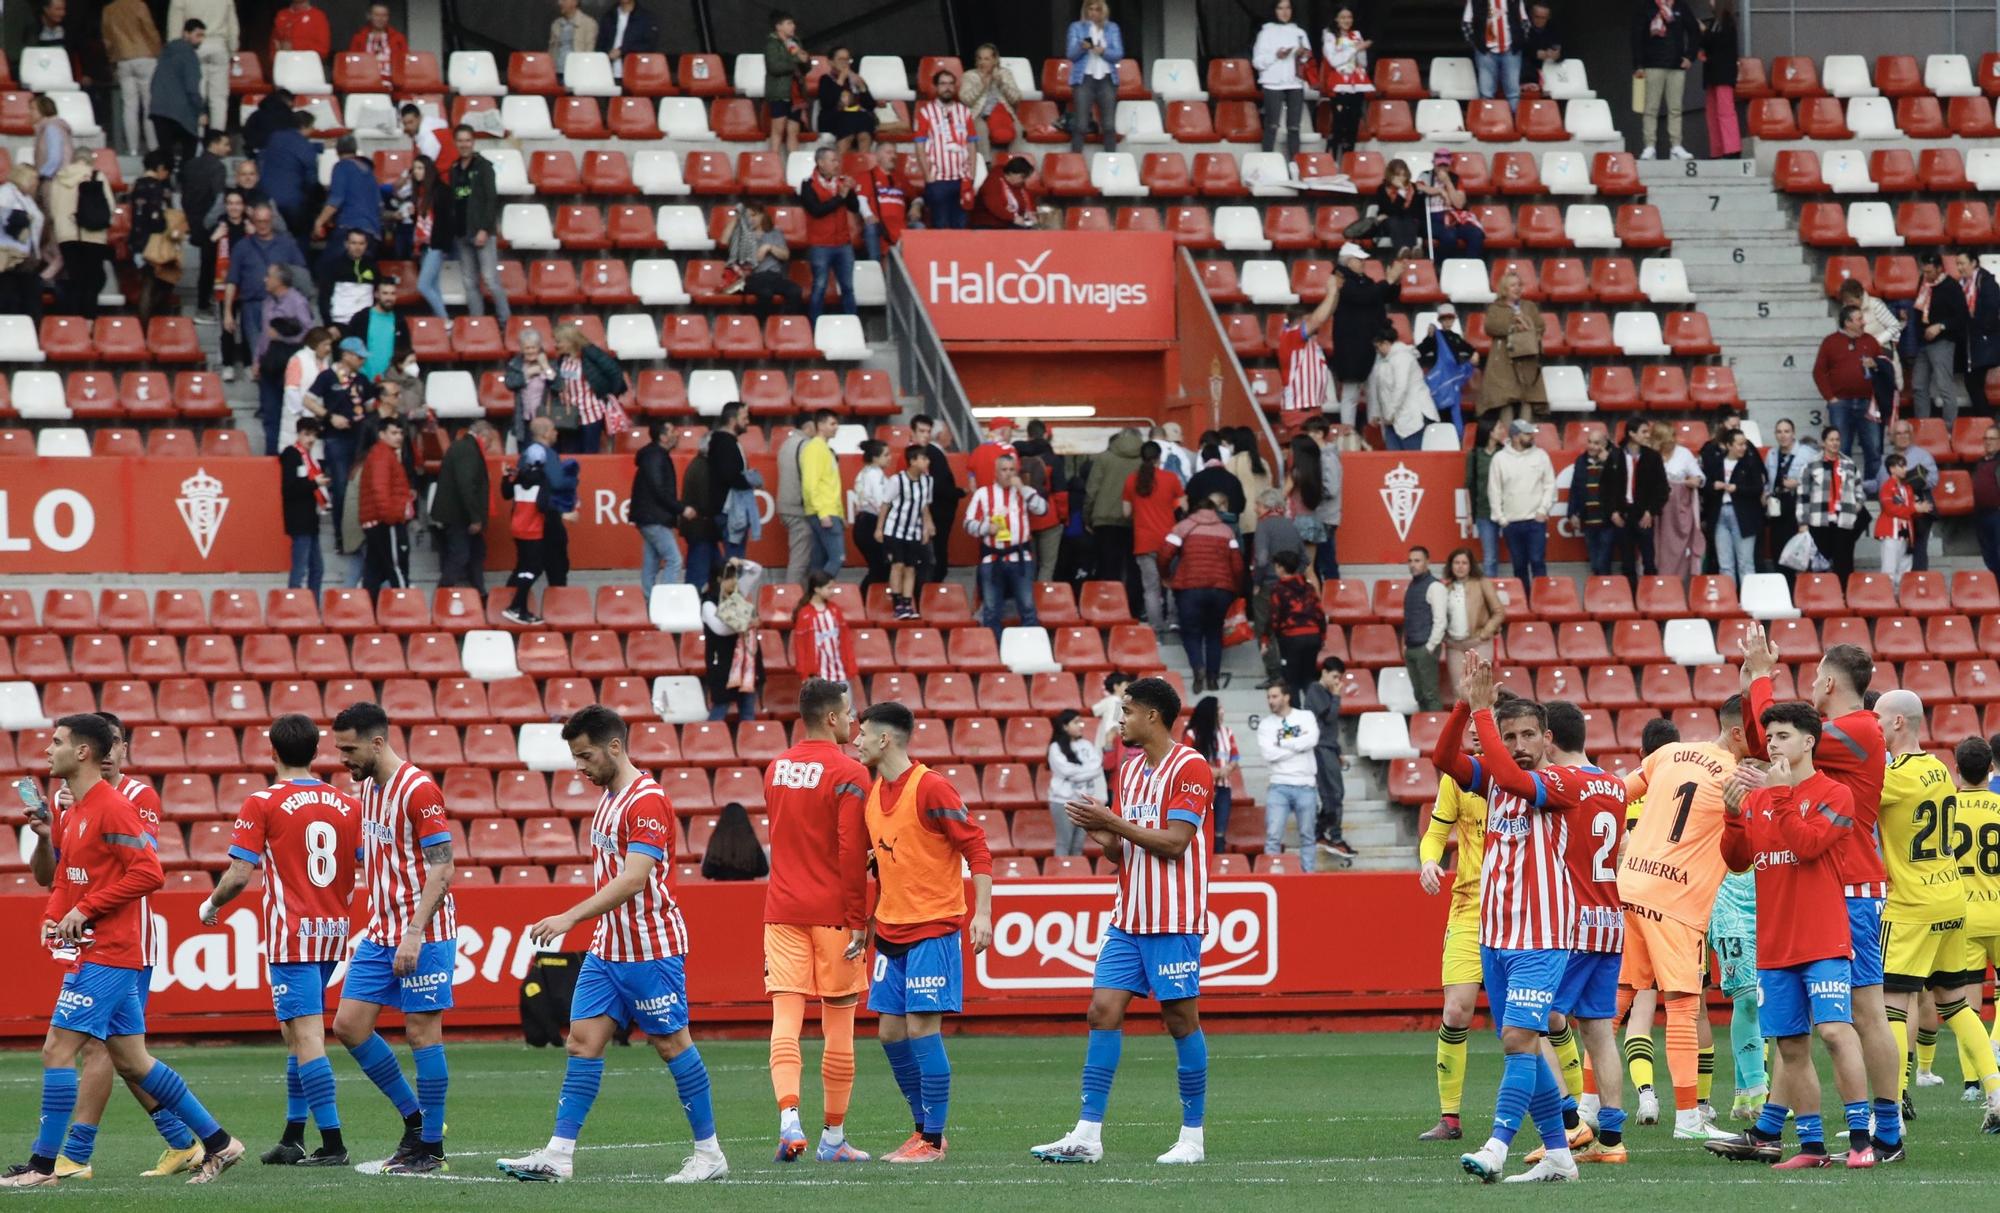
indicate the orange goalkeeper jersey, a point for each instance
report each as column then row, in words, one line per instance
column 1673, row 861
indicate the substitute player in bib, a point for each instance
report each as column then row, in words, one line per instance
column 306, row 837
column 923, row 841
column 1851, row 753
column 1672, row 869
column 1790, row 831
column 105, row 866
column 1923, row 921
column 1153, row 945
column 1975, row 832
column 409, row 948
column 1527, row 921
column 816, row 913
column 1462, row 815
column 634, row 974
column 94, row 1071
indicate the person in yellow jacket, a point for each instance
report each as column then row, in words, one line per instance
column 820, row 491
column 1462, row 815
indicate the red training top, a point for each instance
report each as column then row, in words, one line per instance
column 817, row 796
column 105, row 866
column 1790, row 835
column 1852, row 753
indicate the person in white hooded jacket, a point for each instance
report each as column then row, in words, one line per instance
column 1286, row 737
column 1398, row 395
column 1280, row 50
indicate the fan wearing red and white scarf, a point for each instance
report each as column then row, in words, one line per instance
column 320, row 499
column 1663, row 18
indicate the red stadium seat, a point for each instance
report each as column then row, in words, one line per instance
column 1235, row 80
column 633, row 118
column 1189, row 122
column 1165, row 175
column 531, row 72
column 1616, row 174
column 554, row 172
column 1490, row 121
column 1970, row 117
column 1400, row 79
column 1771, row 118
column 1391, row 121
column 1615, row 280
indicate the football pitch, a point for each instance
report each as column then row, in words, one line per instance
column 1294, row 1122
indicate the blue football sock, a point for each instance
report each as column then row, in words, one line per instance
column 1191, row 1067
column 1100, row 1066
column 1517, row 1087
column 909, row 1079
column 316, row 1082
column 378, row 1062
column 1811, row 1131
column 1888, row 1122
column 1771, row 1121
column 1857, row 1114
column 1611, row 1120
column 691, row 1082
column 172, row 1129
column 936, row 1082
column 58, row 1101
column 579, row 1091
column 295, row 1094
column 433, row 1080
column 80, row 1143
column 1545, row 1105
column 171, row 1091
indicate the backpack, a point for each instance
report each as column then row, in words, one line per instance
column 93, row 205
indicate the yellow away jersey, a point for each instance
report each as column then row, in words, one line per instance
column 1918, row 799
column 1462, row 813
column 1975, row 835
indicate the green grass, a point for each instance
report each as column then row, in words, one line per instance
column 1294, row 1122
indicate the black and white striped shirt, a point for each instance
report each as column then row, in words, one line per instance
column 905, row 506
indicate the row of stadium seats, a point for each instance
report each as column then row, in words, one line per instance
column 1870, row 118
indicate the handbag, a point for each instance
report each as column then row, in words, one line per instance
column 617, row 421
column 1524, row 344
column 1800, row 552
column 1236, row 625
column 1000, row 126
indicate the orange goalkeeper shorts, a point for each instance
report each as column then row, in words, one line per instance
column 811, row 961
column 1661, row 953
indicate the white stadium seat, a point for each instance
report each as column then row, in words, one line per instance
column 1464, row 280
column 1177, row 80
column 1846, row 76
column 1638, row 335
column 451, row 394
column 46, row 70
column 526, row 225
column 657, row 282
column 1267, row 283
column 63, row 442
column 588, row 74
column 887, row 78
column 527, row 118
column 1845, row 171
column 510, row 172
column 39, row 395
column 840, row 338
column 634, row 337
column 1024, row 75
column 299, row 72
column 75, row 109
column 1873, row 225
column 1453, row 79
column 683, row 228
column 1767, row 596
column 21, row 707
column 1665, row 280
column 1982, row 168
column 679, row 699
column 1267, row 174
column 685, row 118
column 748, row 75
column 1565, row 80
column 20, row 341
column 1589, row 225
column 656, row 173
column 1690, row 642
column 488, row 655
column 1240, row 229
column 369, row 114
column 1116, row 175
column 675, row 608
column 871, row 289
column 1567, row 173
column 1441, row 436
column 799, row 166
column 1872, row 118
column 1139, row 122
column 474, row 74
column 1589, row 118
column 1393, row 688
column 708, row 391
column 1568, row 389
column 1442, row 120
column 1949, row 76
column 1027, row 651
column 540, row 747
column 1382, row 736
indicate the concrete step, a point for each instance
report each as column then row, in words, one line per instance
column 1748, row 259
column 1788, row 311
column 1666, row 173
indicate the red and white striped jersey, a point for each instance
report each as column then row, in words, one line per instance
column 1526, row 902
column 1303, row 365
column 1164, row 896
column 397, row 822
column 638, row 820
column 1007, row 512
column 1593, row 804
column 946, row 128
column 147, row 802
column 312, row 837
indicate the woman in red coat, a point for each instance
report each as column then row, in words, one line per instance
column 1003, row 200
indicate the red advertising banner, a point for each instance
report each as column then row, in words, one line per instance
column 1028, row 286
column 1275, row 946
column 1392, row 501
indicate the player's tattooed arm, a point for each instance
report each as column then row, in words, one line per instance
column 437, row 883
column 233, row 882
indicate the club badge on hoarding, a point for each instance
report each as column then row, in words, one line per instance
column 202, row 507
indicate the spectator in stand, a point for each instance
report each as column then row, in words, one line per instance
column 336, row 394
column 22, row 227
column 1473, row 616
column 945, row 494
column 821, row 493
column 1105, row 516
column 1986, row 500
column 1720, row 45
column 1326, row 555
column 1000, row 516
column 428, row 135
column 55, row 145
column 1784, row 463
column 1979, row 351
column 380, row 41
column 1895, row 524
column 1939, row 315
column 1287, row 737
column 1280, row 49
column 822, row 643
column 1665, row 39
column 1214, row 480
column 884, row 208
column 1830, row 503
column 1322, row 699
column 1274, row 534
column 727, row 473
column 1597, row 499
column 1076, row 771
column 907, row 528
column 1923, row 477
column 1297, row 619
column 729, row 622
column 1094, row 47
column 381, row 330
column 461, row 505
column 250, row 183
column 132, row 43
column 348, row 276
column 302, row 27
column 83, row 246
column 698, row 527
column 589, row 380
column 1399, row 207
column 1205, row 565
column 789, row 503
column 303, row 498
column 1345, row 76
column 994, row 97
column 474, row 202
column 1454, row 230
column 1879, row 322
column 353, row 202
column 531, row 377
column 1513, row 388
column 626, row 29
column 1738, row 475
column 1398, row 395
column 1729, row 420
column 1305, row 491
column 273, row 114
column 1496, row 30
column 217, row 51
column 1041, row 469
column 1844, row 373
column 204, row 178
column 1003, row 201
column 999, row 444
column 572, row 30
column 1488, row 436
column 1174, row 456
column 532, row 490
column 656, row 506
column 1246, row 464
column 786, row 65
column 1679, row 543
column 946, row 143
column 387, row 505
column 1207, row 736
column 1110, row 739
column 1302, row 361
column 1541, row 43
column 283, row 378
column 827, row 195
column 865, row 504
column 846, row 107
column 151, row 201
column 1646, row 491
column 1522, row 491
column 767, row 255
column 1361, row 310
column 1152, row 499
column 227, row 234
column 289, row 166
column 1426, row 604
column 733, row 851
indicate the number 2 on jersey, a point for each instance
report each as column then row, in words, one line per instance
column 1604, row 864
column 1933, row 829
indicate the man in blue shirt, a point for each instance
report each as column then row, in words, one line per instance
column 250, row 261
column 289, row 164
column 353, row 204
